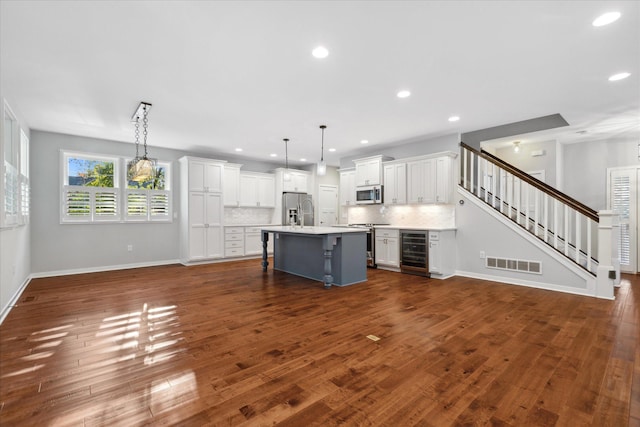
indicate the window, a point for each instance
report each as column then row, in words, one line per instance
column 91, row 191
column 90, row 188
column 149, row 200
column 24, row 178
column 10, row 155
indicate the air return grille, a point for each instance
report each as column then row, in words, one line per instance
column 522, row 266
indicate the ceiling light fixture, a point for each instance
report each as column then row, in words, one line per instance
column 619, row 76
column 273, row 155
column 403, row 94
column 303, row 159
column 333, row 150
column 141, row 169
column 364, row 141
column 516, row 146
column 321, row 169
column 606, row 19
column 238, row 149
column 454, row 118
column 320, row 52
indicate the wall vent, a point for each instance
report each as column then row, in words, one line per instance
column 522, row 266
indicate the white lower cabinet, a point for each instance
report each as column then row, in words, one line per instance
column 388, row 248
column 253, row 241
column 233, row 242
column 442, row 253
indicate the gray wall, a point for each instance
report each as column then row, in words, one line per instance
column 404, row 149
column 524, row 161
column 585, row 167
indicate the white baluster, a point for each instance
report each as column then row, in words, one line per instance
column 589, row 224
column 578, row 237
column 473, row 157
column 566, row 230
column 546, row 217
column 465, row 153
column 526, row 205
column 556, row 226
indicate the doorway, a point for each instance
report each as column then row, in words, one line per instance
column 328, row 205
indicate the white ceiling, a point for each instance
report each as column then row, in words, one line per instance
column 222, row 75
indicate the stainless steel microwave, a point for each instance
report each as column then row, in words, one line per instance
column 369, row 195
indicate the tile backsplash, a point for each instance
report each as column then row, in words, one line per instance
column 440, row 216
column 241, row 216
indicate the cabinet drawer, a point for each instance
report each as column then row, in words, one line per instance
column 233, row 230
column 229, row 252
column 232, row 237
column 252, row 229
column 387, row 233
column 234, row 244
column 434, row 236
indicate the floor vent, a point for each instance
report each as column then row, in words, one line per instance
column 522, row 266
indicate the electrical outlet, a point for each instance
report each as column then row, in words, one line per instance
column 482, row 255
column 130, row 248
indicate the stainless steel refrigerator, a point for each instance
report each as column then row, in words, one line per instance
column 297, row 207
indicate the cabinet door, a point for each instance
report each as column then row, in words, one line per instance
column 197, row 242
column 393, row 252
column 401, row 184
column 368, row 172
column 252, row 244
column 435, row 261
column 429, row 181
column 231, row 186
column 347, row 188
column 390, row 184
column 196, row 175
column 248, row 190
column 415, row 190
column 266, row 192
column 444, row 180
column 300, row 182
column 215, row 246
column 197, row 209
column 381, row 251
column 213, row 209
column 213, row 177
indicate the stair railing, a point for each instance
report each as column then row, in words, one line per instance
column 562, row 222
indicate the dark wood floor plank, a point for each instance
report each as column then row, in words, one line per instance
column 226, row 344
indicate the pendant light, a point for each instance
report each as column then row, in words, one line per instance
column 141, row 169
column 321, row 169
column 287, row 175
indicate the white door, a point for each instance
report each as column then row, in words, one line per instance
column 328, row 205
column 622, row 199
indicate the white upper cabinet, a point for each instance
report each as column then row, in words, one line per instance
column 257, row 190
column 369, row 170
column 205, row 176
column 347, row 188
column 395, row 184
column 231, row 191
column 297, row 181
column 430, row 180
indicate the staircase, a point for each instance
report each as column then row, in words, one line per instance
column 562, row 223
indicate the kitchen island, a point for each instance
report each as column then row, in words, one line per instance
column 335, row 256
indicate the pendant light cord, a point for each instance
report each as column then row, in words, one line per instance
column 145, row 123
column 323, row 127
column 286, row 152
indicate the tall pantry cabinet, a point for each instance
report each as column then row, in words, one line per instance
column 201, row 209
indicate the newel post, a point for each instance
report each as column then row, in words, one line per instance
column 608, row 273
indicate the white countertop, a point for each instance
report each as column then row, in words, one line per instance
column 250, row 225
column 414, row 227
column 311, row 229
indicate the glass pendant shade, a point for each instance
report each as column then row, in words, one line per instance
column 142, row 169
column 321, row 169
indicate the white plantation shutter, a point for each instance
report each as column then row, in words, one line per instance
column 25, row 195
column 11, row 192
column 622, row 199
column 137, row 205
column 159, row 205
column 87, row 204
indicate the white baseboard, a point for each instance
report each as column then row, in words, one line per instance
column 530, row 284
column 102, row 268
column 12, row 302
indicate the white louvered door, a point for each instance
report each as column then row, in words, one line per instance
column 623, row 200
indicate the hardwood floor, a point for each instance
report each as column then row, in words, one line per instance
column 226, row 344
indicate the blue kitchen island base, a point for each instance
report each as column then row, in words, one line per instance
column 331, row 255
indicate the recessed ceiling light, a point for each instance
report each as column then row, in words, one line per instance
column 619, row 76
column 454, row 118
column 303, row 160
column 320, row 52
column 364, row 141
column 332, row 150
column 238, row 149
column 404, row 94
column 273, row 155
column 606, row 19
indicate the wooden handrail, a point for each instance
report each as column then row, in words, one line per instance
column 546, row 188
